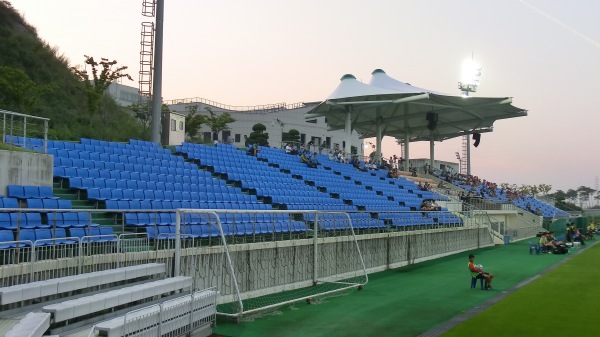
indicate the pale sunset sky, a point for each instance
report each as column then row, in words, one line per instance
column 544, row 53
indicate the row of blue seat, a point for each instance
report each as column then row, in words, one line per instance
column 166, row 205
column 108, row 165
column 29, row 192
column 164, row 160
column 206, row 187
column 68, row 172
column 16, row 220
column 57, row 236
column 130, row 150
column 50, row 203
column 103, row 194
column 142, row 219
column 212, row 231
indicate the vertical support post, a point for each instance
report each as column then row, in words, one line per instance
column 157, row 80
column 468, row 154
column 45, row 136
column 406, row 152
column 80, row 260
column 3, row 128
column 315, row 249
column 348, row 130
column 177, row 262
column 378, row 141
column 12, row 123
column 24, row 131
column 431, row 153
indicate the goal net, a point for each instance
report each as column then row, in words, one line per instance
column 261, row 260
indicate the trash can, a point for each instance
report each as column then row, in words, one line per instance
column 506, row 239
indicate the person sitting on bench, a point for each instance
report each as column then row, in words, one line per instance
column 479, row 273
column 546, row 244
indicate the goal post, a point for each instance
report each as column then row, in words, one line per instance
column 263, row 259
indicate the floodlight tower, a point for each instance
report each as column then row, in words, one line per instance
column 150, row 75
column 470, row 79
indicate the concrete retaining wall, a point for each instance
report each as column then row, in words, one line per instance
column 25, row 168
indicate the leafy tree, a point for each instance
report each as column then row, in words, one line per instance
column 584, row 195
column 142, row 113
column 17, row 91
column 292, row 136
column 218, row 123
column 97, row 85
column 571, row 195
column 544, row 188
column 193, row 122
column 258, row 135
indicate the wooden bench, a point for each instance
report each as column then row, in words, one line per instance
column 109, row 300
column 171, row 316
column 34, row 324
column 34, row 290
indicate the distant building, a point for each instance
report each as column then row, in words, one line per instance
column 278, row 118
column 124, row 95
column 176, row 129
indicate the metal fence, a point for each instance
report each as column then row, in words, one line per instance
column 20, row 129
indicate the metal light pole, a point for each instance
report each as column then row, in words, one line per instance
column 157, row 80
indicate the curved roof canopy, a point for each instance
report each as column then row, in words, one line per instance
column 401, row 110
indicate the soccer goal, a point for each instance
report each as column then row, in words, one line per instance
column 261, row 260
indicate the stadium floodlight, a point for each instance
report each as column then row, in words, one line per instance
column 471, row 77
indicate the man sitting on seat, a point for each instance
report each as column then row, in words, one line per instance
column 546, row 244
column 304, row 157
column 478, row 273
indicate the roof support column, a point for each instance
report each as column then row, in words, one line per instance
column 468, row 154
column 431, row 153
column 348, row 130
column 406, row 151
column 378, row 141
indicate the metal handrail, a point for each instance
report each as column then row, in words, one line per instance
column 241, row 108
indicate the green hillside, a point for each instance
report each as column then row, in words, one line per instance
column 36, row 79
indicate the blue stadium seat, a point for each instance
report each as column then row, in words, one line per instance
column 9, row 203
column 6, row 236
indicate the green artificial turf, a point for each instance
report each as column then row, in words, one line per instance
column 402, row 302
column 563, row 302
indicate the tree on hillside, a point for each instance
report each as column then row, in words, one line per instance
column 142, row 113
column 258, row 135
column 17, row 91
column 218, row 123
column 193, row 122
column 101, row 79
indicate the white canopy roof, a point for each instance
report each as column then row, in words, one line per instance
column 401, row 109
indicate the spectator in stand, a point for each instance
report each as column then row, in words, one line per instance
column 479, row 273
column 322, row 146
column 290, row 150
column 427, row 206
column 331, row 156
column 538, row 211
column 314, row 159
column 252, row 150
column 310, row 144
column 304, row 157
